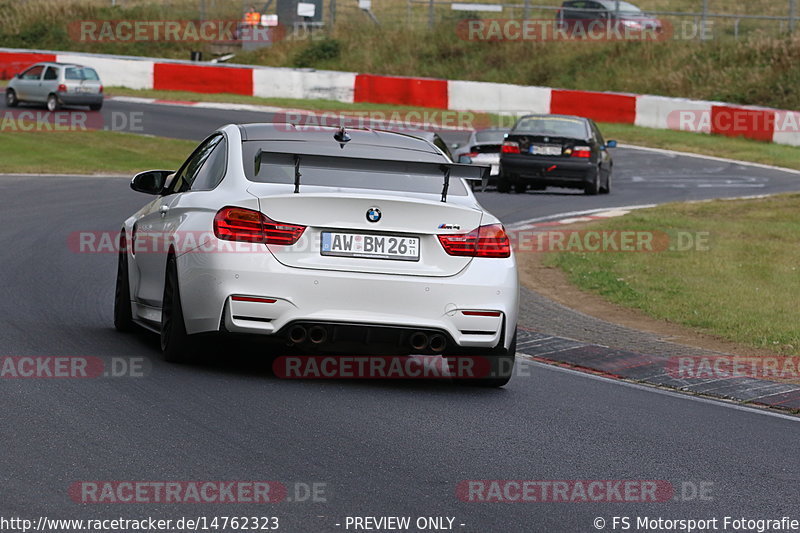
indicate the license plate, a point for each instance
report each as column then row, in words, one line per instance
column 370, row 246
column 85, row 90
column 545, row 149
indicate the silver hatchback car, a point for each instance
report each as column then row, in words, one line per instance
column 56, row 85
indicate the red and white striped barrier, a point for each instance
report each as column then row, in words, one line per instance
column 764, row 124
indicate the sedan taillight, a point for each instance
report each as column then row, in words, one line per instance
column 246, row 225
column 61, row 88
column 582, row 151
column 510, row 147
column 485, row 241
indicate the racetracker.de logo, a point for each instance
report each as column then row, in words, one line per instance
column 494, row 30
column 564, row 491
column 382, row 367
column 173, row 492
column 174, row 31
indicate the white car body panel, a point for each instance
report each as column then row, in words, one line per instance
column 307, row 286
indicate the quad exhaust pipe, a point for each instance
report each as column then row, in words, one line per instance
column 420, row 341
column 297, row 334
column 437, row 343
column 317, row 334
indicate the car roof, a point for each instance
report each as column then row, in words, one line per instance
column 545, row 115
column 364, row 142
column 57, row 64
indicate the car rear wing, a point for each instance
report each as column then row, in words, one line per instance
column 436, row 170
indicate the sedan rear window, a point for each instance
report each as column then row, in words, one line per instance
column 490, row 136
column 349, row 173
column 553, row 126
column 81, row 73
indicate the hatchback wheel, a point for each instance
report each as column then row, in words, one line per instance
column 11, row 98
column 52, row 103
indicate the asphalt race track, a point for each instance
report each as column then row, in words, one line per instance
column 381, row 448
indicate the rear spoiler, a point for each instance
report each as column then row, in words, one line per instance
column 446, row 170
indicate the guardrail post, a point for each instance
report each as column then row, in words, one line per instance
column 792, row 14
column 703, row 20
column 527, row 13
column 431, row 14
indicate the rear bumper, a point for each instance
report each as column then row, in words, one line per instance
column 208, row 281
column 554, row 171
column 80, row 99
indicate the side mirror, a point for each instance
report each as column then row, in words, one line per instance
column 465, row 159
column 18, row 75
column 151, row 181
column 611, row 144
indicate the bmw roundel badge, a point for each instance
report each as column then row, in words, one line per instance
column 373, row 214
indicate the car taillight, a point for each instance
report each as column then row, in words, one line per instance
column 240, row 224
column 582, row 151
column 485, row 241
column 510, row 147
column 101, row 90
column 469, row 154
column 62, row 88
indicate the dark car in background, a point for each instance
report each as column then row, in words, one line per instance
column 558, row 151
column 580, row 15
column 483, row 148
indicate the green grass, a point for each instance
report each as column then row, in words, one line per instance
column 741, row 288
column 88, row 152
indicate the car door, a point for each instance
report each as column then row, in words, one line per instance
column 48, row 85
column 157, row 228
column 28, row 83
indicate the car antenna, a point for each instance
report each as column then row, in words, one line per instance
column 342, row 136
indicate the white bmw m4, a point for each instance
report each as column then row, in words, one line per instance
column 328, row 239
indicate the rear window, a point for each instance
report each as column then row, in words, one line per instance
column 553, row 126
column 81, row 73
column 493, row 137
column 347, row 173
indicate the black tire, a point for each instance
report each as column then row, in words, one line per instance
column 11, row 98
column 520, row 186
column 53, row 104
column 176, row 345
column 593, row 187
column 96, row 107
column 502, row 367
column 607, row 188
column 123, row 318
column 503, row 184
